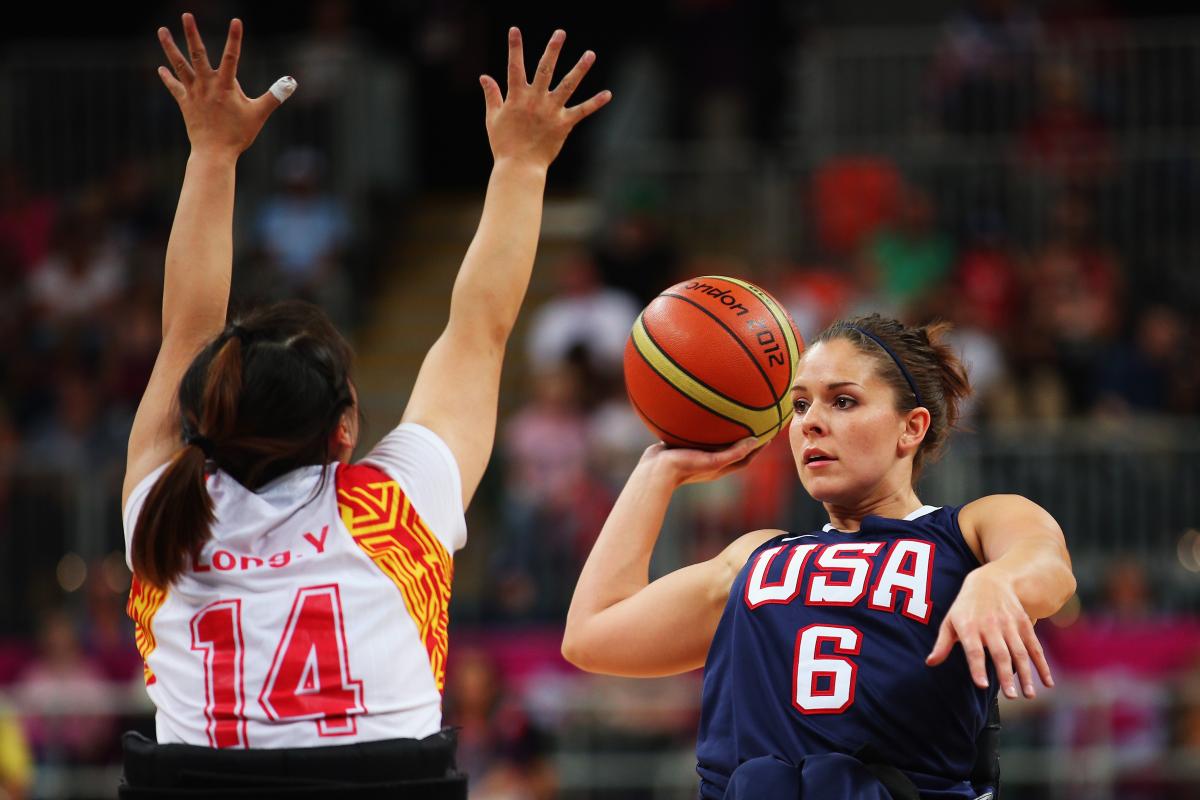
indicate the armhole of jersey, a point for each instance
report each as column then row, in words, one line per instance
column 953, row 514
column 137, row 498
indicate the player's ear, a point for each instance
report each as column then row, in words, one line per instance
column 916, row 425
column 343, row 435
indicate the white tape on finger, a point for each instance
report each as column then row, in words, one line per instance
column 282, row 89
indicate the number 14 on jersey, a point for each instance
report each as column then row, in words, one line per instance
column 309, row 676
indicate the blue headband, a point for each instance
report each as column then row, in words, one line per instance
column 911, row 383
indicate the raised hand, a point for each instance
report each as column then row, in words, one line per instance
column 532, row 121
column 218, row 114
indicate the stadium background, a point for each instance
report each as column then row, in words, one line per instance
column 1030, row 171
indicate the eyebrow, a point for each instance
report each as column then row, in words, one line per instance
column 799, row 387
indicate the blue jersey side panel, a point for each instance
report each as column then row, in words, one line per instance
column 922, row 720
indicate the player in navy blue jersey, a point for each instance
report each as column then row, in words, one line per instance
column 830, row 666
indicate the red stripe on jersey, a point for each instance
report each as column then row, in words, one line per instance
column 385, row 525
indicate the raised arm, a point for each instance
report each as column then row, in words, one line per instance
column 457, row 389
column 221, row 123
column 1026, row 575
column 622, row 624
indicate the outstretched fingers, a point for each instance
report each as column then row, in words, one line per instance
column 589, row 106
column 1029, row 636
column 997, row 647
column 492, row 98
column 177, row 89
column 183, row 70
column 273, row 98
column 227, row 72
column 549, row 59
column 973, row 649
column 944, row 644
column 570, row 82
column 195, row 44
column 1020, row 660
column 516, row 60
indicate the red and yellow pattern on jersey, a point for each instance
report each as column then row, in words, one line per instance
column 385, row 525
column 144, row 602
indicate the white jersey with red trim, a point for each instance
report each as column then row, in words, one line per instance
column 316, row 614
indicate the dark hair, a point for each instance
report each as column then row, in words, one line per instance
column 938, row 380
column 260, row 400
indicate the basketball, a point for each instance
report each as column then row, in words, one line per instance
column 710, row 361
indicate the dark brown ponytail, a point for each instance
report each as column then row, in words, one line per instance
column 918, row 365
column 177, row 516
column 259, row 401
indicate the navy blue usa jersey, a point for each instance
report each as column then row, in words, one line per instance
column 822, row 646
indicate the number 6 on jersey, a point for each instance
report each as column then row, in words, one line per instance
column 824, row 684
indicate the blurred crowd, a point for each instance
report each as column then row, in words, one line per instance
column 1058, row 312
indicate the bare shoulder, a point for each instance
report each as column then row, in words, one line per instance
column 998, row 506
column 718, row 574
column 735, row 555
column 1001, row 512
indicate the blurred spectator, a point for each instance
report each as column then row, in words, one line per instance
column 10, row 446
column 75, row 724
column 1187, row 729
column 304, row 231
column 852, row 197
column 138, row 215
column 1152, row 373
column 326, row 54
column 1075, row 297
column 26, row 220
column 324, row 61
column 16, row 762
column 983, row 358
column 82, row 432
column 616, row 437
column 108, row 631
column 816, row 297
column 634, row 252
column 987, row 279
column 129, row 357
column 1064, row 139
column 981, row 66
column 553, row 506
column 909, row 259
column 500, row 748
column 584, row 313
column 80, row 279
column 139, row 219
column 714, row 42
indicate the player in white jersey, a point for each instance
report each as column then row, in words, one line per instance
column 283, row 597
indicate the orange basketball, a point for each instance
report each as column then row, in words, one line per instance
column 711, row 361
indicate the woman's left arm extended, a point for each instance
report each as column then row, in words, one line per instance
column 221, row 122
column 1026, row 575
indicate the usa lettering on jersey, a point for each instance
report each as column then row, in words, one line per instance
column 841, row 575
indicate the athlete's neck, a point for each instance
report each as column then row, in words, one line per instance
column 897, row 504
